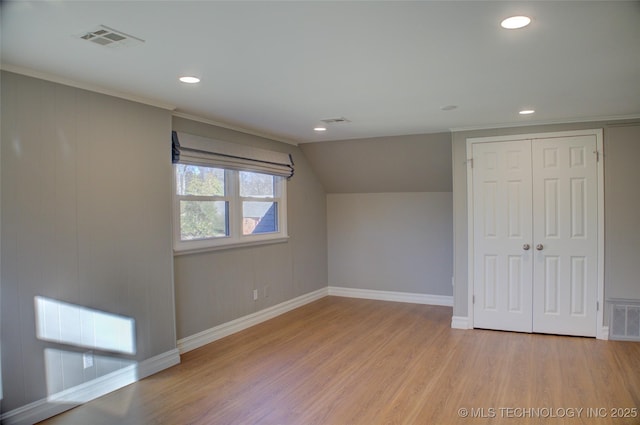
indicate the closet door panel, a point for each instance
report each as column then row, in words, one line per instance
column 502, row 229
column 565, row 235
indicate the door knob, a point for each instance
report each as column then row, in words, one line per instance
column 526, row 247
column 539, row 247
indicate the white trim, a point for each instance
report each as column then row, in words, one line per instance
column 460, row 322
column 58, row 403
column 85, row 86
column 600, row 290
column 158, row 363
column 33, row 412
column 178, row 252
column 601, row 330
column 603, row 119
column 235, row 128
column 470, row 239
column 217, row 332
column 95, row 388
column 603, row 333
column 403, row 297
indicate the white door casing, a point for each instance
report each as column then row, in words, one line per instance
column 544, row 191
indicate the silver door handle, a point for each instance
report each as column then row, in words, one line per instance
column 526, row 247
column 539, row 247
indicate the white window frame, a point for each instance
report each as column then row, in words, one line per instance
column 235, row 219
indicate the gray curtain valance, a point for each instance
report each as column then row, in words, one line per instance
column 197, row 150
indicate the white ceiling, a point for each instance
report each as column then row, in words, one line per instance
column 278, row 68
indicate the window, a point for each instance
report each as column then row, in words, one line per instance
column 218, row 207
column 227, row 194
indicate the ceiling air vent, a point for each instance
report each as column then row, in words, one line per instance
column 339, row 120
column 109, row 37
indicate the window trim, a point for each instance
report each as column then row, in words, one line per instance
column 235, row 239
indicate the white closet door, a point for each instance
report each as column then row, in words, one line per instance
column 565, row 242
column 502, row 235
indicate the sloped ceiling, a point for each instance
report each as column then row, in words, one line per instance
column 417, row 163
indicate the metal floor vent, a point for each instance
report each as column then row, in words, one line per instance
column 624, row 323
column 109, row 37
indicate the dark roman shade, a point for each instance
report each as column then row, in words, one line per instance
column 197, row 150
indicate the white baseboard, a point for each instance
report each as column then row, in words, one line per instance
column 158, row 363
column 217, row 332
column 604, row 333
column 70, row 398
column 460, row 322
column 403, row 297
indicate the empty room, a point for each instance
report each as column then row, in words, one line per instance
column 319, row 212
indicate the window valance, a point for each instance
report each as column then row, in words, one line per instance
column 198, row 150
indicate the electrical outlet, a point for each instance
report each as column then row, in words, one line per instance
column 255, row 294
column 87, row 359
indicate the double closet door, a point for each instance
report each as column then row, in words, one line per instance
column 535, row 235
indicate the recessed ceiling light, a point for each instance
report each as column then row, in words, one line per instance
column 526, row 112
column 515, row 22
column 190, row 80
column 320, row 129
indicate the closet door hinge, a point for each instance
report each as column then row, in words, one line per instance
column 470, row 162
column 597, row 155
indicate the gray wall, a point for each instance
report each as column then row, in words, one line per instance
column 215, row 287
column 85, row 220
column 622, row 211
column 391, row 241
column 622, row 233
column 389, row 212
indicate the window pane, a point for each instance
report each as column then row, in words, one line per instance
column 257, row 185
column 203, row 219
column 199, row 181
column 259, row 217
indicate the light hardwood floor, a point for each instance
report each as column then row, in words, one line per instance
column 341, row 361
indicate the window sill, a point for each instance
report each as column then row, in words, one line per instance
column 233, row 245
